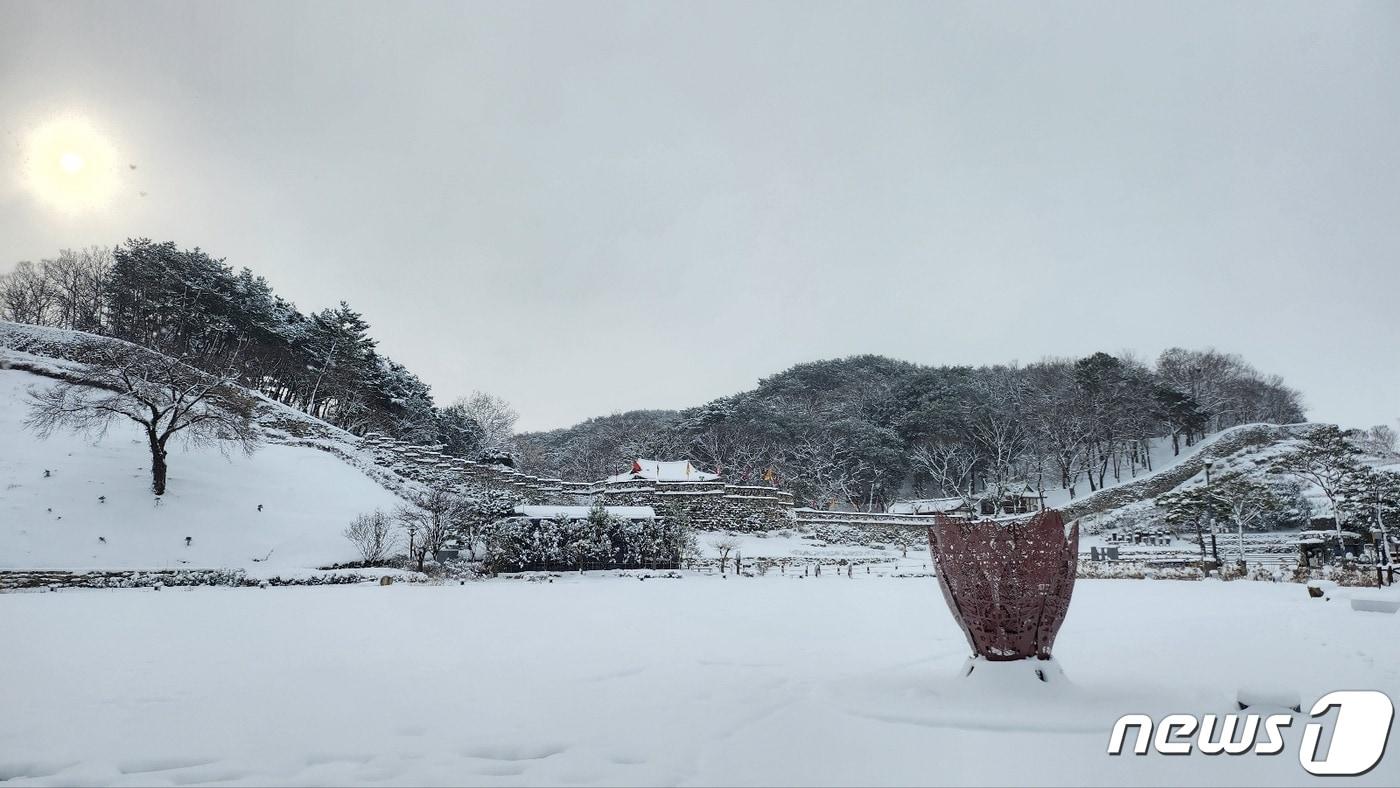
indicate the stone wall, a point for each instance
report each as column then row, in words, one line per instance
column 864, row 528
column 710, row 506
column 427, row 466
column 714, row 505
column 19, row 579
column 822, row 516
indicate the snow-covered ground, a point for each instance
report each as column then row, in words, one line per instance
column 613, row 680
column 799, row 548
column 1163, row 458
column 1271, row 548
column 60, row 521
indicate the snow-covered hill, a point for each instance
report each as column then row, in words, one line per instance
column 1245, row 448
column 94, row 510
column 97, row 491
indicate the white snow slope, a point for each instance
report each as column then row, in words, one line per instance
column 1163, row 459
column 606, row 680
column 308, row 497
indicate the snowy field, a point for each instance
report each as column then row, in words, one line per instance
column 603, row 679
column 95, row 509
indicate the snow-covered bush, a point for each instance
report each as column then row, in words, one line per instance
column 600, row 541
column 1124, row 570
column 1231, row 571
column 1350, row 574
column 373, row 536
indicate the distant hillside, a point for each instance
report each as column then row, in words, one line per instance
column 69, row 502
column 854, row 432
column 866, row 430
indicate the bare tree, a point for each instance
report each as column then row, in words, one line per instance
column 79, row 279
column 429, row 519
column 165, row 396
column 948, row 464
column 724, row 545
column 1228, row 390
column 1061, row 425
column 373, row 536
column 27, row 295
column 1379, row 441
column 739, row 457
column 826, row 475
column 997, row 426
column 494, row 415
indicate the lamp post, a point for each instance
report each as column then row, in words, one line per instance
column 1214, row 549
column 1383, row 565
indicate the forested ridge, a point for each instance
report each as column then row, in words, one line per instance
column 864, row 430
column 857, row 431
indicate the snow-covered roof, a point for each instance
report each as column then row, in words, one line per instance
column 658, row 471
column 927, row 506
column 581, row 512
column 1020, row 490
column 1313, row 537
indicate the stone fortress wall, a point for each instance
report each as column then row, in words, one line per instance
column 709, row 505
column 431, row 467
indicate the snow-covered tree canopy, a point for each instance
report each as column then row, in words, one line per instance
column 189, row 305
column 862, row 430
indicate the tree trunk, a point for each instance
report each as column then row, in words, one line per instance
column 157, row 462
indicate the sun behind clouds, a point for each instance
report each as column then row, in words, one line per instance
column 70, row 165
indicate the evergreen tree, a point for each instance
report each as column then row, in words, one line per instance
column 1329, row 462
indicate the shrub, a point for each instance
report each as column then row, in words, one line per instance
column 373, row 536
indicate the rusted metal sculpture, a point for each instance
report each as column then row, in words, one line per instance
column 1008, row 582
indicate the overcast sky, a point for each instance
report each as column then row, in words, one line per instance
column 595, row 207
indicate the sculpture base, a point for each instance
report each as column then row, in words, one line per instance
column 1013, row 674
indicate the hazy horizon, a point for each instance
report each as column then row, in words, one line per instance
column 595, row 208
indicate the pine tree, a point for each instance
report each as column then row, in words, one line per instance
column 1328, row 461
